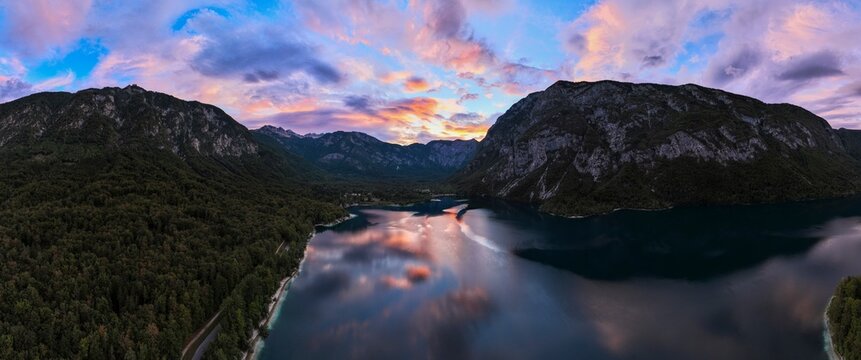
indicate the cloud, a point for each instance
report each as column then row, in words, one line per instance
column 420, row 107
column 458, row 131
column 13, row 88
column 352, row 65
column 736, row 66
column 466, row 97
column 519, row 78
column 256, row 53
column 467, row 117
column 36, row 26
column 576, row 43
column 445, row 18
column 816, row 65
column 436, row 32
column 488, row 7
column 358, row 103
column 416, row 84
column 625, row 36
column 11, row 66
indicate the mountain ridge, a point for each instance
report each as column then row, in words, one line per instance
column 352, row 154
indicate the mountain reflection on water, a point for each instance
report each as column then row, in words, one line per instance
column 489, row 279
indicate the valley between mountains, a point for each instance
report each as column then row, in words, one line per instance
column 128, row 218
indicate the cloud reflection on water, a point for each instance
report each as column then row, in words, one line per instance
column 402, row 283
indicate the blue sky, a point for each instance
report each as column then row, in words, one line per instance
column 413, row 71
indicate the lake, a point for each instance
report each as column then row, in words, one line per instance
column 488, row 279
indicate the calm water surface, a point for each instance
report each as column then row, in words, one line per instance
column 491, row 280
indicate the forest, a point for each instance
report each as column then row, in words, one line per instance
column 123, row 254
column 844, row 318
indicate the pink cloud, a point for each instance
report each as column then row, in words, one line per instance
column 432, row 32
column 36, row 26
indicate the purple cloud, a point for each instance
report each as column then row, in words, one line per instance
column 257, row 53
column 446, row 18
column 736, row 66
column 358, row 103
column 11, row 89
column 816, row 65
column 466, row 97
column 473, row 118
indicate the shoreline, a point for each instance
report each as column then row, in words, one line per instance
column 256, row 342
column 612, row 211
column 829, row 340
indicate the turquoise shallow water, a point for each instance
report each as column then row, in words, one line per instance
column 489, row 279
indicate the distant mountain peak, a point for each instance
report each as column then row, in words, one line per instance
column 134, row 88
column 279, row 131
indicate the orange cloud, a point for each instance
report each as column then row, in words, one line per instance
column 394, row 76
column 603, row 42
column 461, row 55
column 421, row 108
column 416, row 84
column 465, row 131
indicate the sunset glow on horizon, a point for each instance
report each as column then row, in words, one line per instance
column 415, row 71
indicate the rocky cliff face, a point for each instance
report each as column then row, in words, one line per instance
column 116, row 117
column 584, row 147
column 353, row 154
column 851, row 141
column 450, row 154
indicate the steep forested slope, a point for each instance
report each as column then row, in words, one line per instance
column 128, row 218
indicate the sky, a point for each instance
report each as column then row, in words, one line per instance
column 413, row 71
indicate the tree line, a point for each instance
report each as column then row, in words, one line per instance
column 844, row 318
column 124, row 254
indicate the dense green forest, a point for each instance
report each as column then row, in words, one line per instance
column 122, row 254
column 844, row 318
